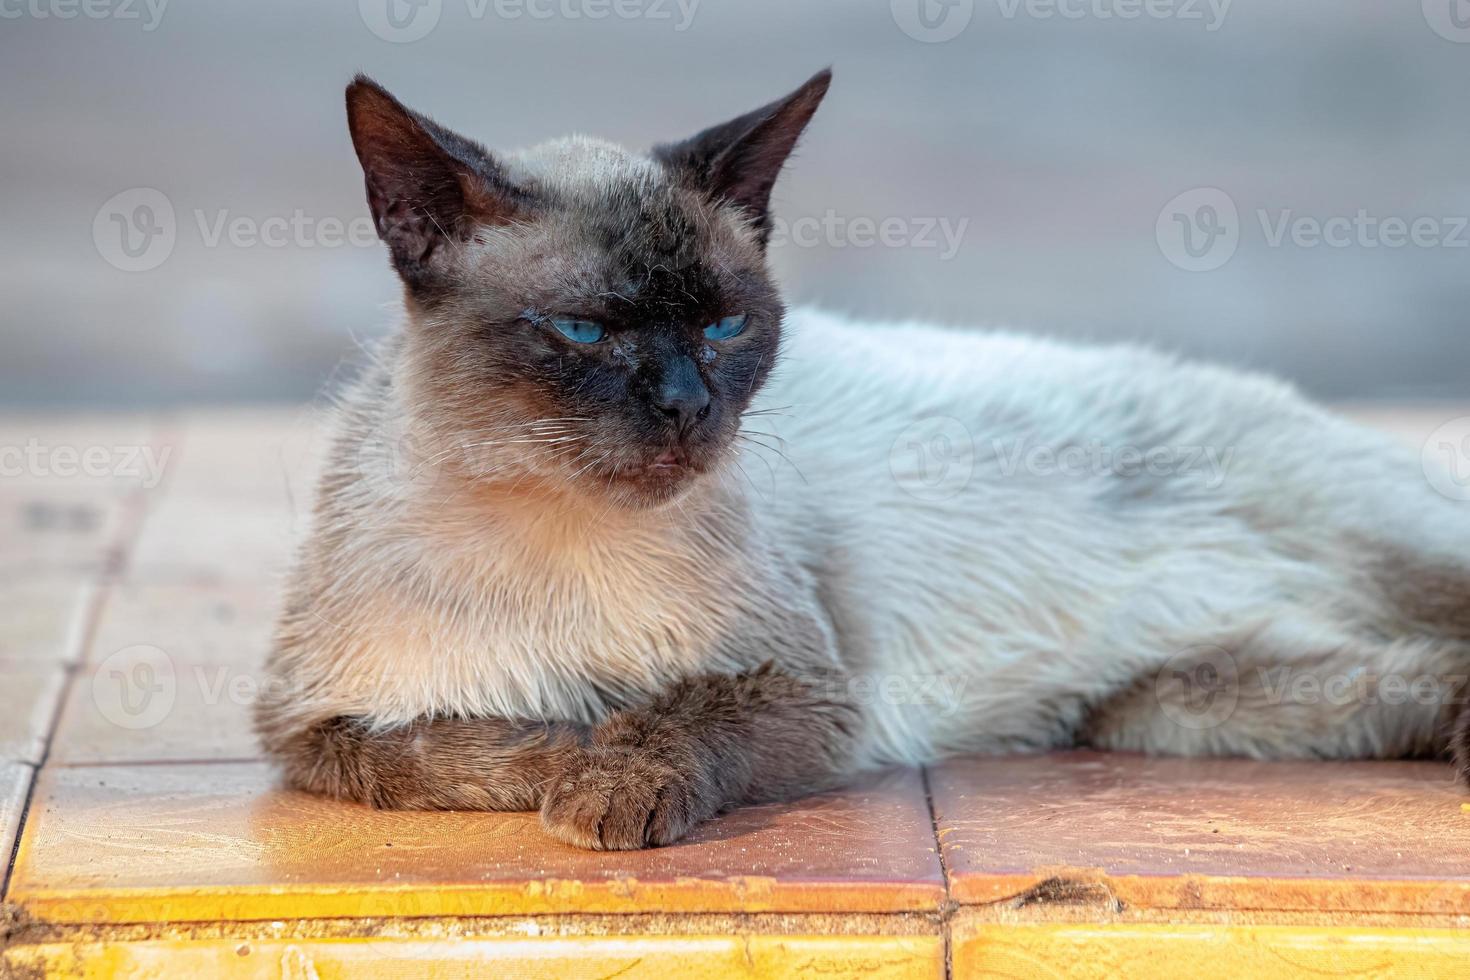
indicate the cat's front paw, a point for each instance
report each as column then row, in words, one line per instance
column 610, row 799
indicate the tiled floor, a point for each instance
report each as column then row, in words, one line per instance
column 133, row 619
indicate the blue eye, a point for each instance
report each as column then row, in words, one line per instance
column 729, row 327
column 580, row 331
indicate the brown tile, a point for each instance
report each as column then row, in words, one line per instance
column 30, row 693
column 1206, row 833
column 172, row 674
column 209, row 842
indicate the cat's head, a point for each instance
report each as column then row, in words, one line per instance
column 581, row 318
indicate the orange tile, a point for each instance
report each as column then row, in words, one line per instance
column 1207, row 833
column 210, row 842
column 564, row 957
column 30, row 693
column 1204, row 952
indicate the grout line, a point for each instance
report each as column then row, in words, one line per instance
column 947, row 912
column 132, row 763
column 99, row 588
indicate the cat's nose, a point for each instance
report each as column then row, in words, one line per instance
column 682, row 397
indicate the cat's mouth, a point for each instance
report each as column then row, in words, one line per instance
column 671, row 464
column 660, row 475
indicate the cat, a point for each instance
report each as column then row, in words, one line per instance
column 608, row 532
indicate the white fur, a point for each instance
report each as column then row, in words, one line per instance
column 998, row 611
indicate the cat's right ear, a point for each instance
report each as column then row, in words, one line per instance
column 427, row 187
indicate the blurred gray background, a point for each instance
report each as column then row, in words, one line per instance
column 1053, row 139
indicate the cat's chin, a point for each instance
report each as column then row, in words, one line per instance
column 652, row 486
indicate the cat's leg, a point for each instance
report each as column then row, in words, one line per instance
column 438, row 764
column 648, row 775
column 1460, row 745
column 1291, row 688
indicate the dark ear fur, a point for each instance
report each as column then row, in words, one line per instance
column 739, row 161
column 426, row 186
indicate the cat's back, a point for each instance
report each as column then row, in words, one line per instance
column 849, row 388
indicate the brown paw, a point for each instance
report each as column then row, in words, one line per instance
column 618, row 800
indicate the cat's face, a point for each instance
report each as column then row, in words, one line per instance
column 583, row 319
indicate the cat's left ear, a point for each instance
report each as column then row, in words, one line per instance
column 739, row 161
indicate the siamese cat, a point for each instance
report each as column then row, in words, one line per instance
column 610, row 533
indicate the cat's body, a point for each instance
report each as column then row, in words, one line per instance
column 920, row 542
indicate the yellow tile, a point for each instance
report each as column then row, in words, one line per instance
column 1204, row 952
column 553, row 958
column 211, row 842
column 172, row 675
